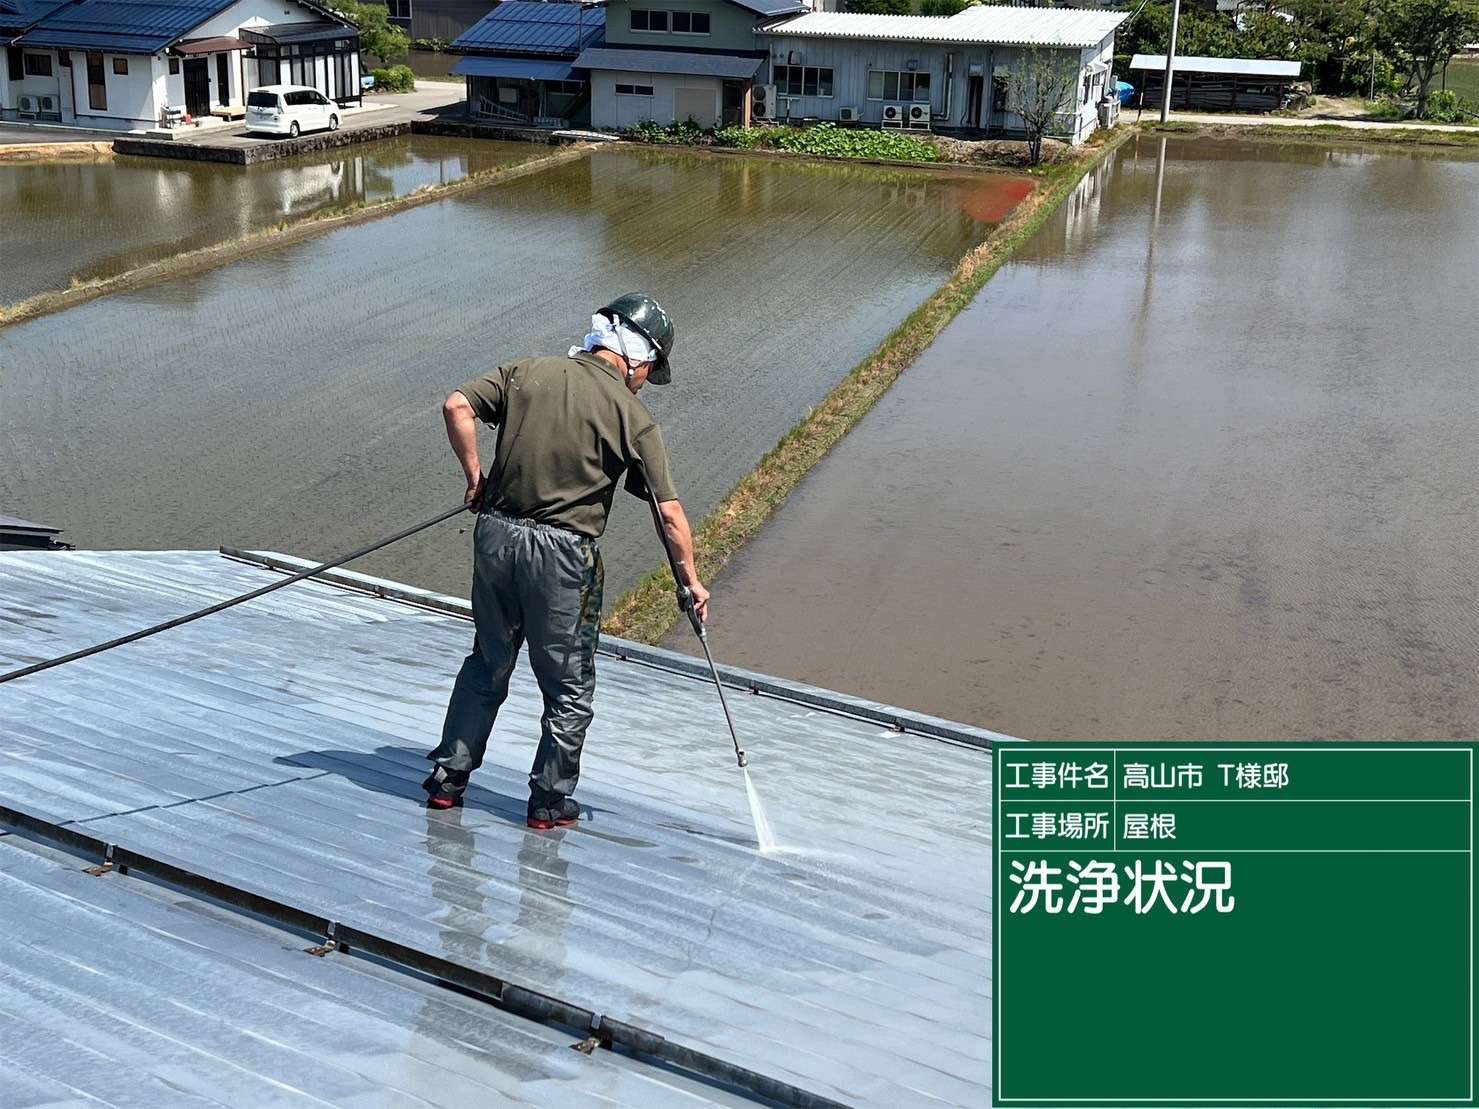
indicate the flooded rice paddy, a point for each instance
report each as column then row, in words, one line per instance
column 291, row 400
column 1199, row 463
column 80, row 221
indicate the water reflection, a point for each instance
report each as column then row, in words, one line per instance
column 75, row 221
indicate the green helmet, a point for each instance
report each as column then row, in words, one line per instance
column 649, row 319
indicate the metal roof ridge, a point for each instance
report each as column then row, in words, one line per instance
column 843, row 704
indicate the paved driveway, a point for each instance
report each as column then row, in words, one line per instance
column 428, row 101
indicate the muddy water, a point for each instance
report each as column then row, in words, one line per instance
column 291, row 400
column 1201, row 463
column 80, row 221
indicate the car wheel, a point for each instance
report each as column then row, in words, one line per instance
column 293, row 130
column 333, row 123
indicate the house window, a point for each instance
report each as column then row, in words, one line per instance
column 633, row 90
column 690, row 23
column 644, row 19
column 998, row 93
column 174, row 66
column 16, row 63
column 889, row 84
column 564, row 88
column 38, row 65
column 120, row 67
column 399, row 9
column 798, row 80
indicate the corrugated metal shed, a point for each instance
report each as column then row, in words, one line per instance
column 982, row 25
column 278, row 747
column 1242, row 67
column 668, row 61
column 117, row 990
column 124, row 26
column 525, row 27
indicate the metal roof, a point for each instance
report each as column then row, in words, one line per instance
column 1245, row 67
column 16, row 524
column 132, row 26
column 122, row 26
column 22, row 13
column 112, row 988
column 991, row 25
column 527, row 69
column 525, row 27
column 668, row 61
column 279, row 747
column 771, row 7
column 311, row 30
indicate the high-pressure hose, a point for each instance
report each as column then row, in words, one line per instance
column 133, row 637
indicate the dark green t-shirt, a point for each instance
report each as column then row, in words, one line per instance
column 568, row 431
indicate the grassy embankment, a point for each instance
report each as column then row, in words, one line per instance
column 1321, row 133
column 270, row 238
column 647, row 612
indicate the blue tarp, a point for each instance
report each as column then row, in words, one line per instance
column 528, row 69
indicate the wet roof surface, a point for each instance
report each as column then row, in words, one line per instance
column 118, row 990
column 278, row 746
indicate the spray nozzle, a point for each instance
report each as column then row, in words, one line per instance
column 744, row 759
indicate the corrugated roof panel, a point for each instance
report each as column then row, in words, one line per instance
column 279, row 746
column 116, row 990
column 525, row 27
column 1246, row 67
column 526, row 69
column 668, row 61
column 993, row 25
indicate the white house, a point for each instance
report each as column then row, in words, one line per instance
column 118, row 64
column 934, row 71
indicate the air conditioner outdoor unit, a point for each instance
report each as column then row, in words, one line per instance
column 763, row 102
column 847, row 115
column 919, row 117
column 893, row 114
column 26, row 107
column 48, row 103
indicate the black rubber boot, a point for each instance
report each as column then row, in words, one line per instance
column 554, row 812
column 444, row 788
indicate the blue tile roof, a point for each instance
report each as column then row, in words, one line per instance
column 22, row 13
column 121, row 26
column 527, row 27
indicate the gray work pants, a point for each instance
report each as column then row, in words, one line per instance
column 540, row 584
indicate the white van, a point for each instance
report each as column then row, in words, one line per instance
column 290, row 110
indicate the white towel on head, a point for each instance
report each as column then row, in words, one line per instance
column 603, row 334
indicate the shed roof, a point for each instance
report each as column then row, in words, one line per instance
column 278, row 747
column 1243, row 67
column 524, row 69
column 1000, row 26
column 669, row 61
column 525, row 27
column 128, row 26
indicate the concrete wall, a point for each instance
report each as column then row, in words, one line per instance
column 10, row 90
column 731, row 27
column 611, row 111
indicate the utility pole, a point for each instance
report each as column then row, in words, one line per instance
column 1170, row 62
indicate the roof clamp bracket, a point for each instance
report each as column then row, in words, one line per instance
column 329, row 944
column 106, row 866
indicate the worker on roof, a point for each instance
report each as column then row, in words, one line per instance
column 569, row 430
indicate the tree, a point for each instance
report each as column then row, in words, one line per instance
column 1421, row 35
column 1040, row 87
column 377, row 35
column 941, row 7
column 881, row 7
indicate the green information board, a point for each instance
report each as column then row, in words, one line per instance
column 1233, row 924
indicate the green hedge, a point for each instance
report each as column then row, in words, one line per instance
column 822, row 139
column 397, row 78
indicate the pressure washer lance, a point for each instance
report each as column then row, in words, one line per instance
column 133, row 637
column 685, row 602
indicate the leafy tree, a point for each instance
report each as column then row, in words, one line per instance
column 377, row 35
column 941, row 7
column 1040, row 87
column 881, row 7
column 1421, row 35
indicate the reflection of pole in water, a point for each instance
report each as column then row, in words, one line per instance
column 1136, row 362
